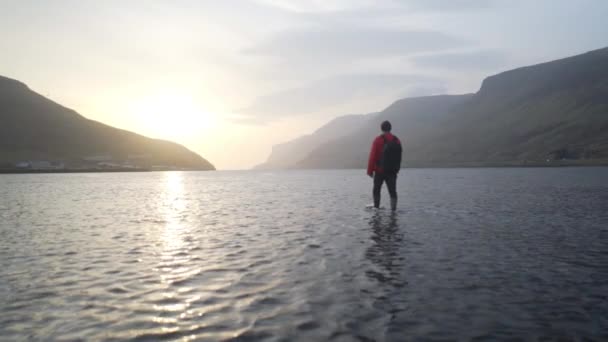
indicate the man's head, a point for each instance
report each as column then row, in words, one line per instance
column 386, row 127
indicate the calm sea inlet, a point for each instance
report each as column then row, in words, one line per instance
column 485, row 254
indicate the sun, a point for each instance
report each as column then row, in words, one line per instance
column 170, row 114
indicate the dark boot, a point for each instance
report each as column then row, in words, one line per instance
column 376, row 200
column 393, row 203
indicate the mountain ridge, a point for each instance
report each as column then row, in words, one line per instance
column 552, row 111
column 285, row 154
column 37, row 128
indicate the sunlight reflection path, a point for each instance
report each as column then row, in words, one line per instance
column 176, row 241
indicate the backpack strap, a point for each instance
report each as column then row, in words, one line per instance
column 395, row 139
column 379, row 161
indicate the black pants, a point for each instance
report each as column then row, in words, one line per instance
column 391, row 183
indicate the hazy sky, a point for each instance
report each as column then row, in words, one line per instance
column 228, row 79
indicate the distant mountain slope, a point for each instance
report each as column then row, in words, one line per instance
column 33, row 127
column 288, row 154
column 554, row 110
column 413, row 118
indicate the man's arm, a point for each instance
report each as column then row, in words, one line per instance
column 400, row 156
column 373, row 156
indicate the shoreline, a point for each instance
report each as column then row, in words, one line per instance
column 419, row 166
column 468, row 165
column 18, row 171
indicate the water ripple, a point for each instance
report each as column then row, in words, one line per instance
column 472, row 254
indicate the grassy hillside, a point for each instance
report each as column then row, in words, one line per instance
column 555, row 110
column 551, row 111
column 36, row 128
column 412, row 118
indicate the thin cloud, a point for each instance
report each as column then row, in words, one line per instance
column 325, row 94
column 320, row 6
column 349, row 43
column 465, row 61
column 445, row 6
column 427, row 90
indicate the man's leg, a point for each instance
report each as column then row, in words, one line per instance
column 378, row 180
column 391, row 183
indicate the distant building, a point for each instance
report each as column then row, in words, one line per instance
column 98, row 158
column 115, row 165
column 161, row 167
column 23, row 165
column 40, row 165
column 108, row 165
column 140, row 156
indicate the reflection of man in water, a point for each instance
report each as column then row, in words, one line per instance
column 384, row 164
column 385, row 252
column 390, row 295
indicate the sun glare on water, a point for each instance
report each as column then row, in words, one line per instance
column 171, row 115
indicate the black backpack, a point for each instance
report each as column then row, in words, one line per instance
column 390, row 161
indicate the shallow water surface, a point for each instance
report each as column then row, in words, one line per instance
column 489, row 254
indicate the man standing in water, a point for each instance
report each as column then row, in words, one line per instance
column 384, row 164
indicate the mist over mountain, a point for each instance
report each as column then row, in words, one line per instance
column 288, row 154
column 533, row 115
column 36, row 128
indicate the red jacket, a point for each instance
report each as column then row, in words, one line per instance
column 376, row 153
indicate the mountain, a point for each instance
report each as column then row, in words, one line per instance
column 36, row 128
column 413, row 118
column 288, row 154
column 555, row 111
